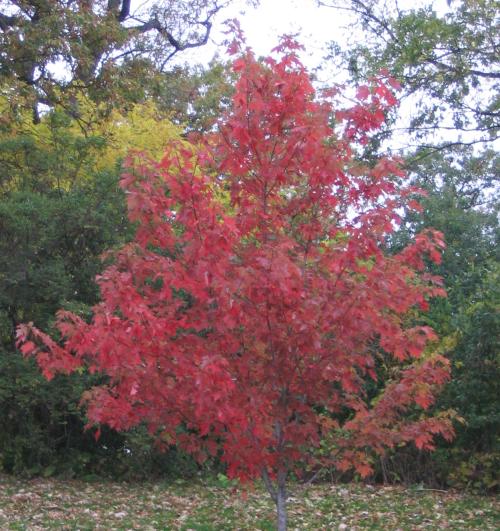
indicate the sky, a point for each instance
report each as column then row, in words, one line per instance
column 272, row 18
column 313, row 27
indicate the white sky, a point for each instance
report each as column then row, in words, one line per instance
column 315, row 25
column 272, row 18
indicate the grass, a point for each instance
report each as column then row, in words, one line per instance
column 41, row 504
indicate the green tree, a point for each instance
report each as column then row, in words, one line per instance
column 49, row 248
column 60, row 208
column 447, row 63
column 475, row 390
column 462, row 202
column 97, row 67
column 55, row 50
column 195, row 96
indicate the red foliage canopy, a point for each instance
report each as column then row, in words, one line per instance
column 256, row 298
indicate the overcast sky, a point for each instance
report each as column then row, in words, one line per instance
column 315, row 25
column 262, row 26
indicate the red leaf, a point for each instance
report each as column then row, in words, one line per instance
column 28, row 348
column 363, row 92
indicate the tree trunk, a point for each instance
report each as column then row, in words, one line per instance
column 281, row 505
column 278, row 494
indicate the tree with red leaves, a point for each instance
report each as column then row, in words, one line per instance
column 251, row 309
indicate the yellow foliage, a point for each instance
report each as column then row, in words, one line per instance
column 64, row 150
column 142, row 129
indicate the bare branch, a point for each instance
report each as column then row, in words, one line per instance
column 362, row 9
column 429, row 149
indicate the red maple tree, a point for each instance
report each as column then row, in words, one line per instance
column 256, row 298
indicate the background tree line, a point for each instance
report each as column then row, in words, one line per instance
column 62, row 141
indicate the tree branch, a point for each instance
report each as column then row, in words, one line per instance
column 362, row 9
column 429, row 149
column 7, row 21
column 125, row 11
column 269, row 485
column 155, row 24
column 479, row 73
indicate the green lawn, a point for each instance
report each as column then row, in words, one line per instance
column 56, row 504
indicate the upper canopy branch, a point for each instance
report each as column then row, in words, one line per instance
column 8, row 21
column 155, row 24
column 471, row 71
column 93, row 42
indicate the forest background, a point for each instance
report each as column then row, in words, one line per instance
column 62, row 143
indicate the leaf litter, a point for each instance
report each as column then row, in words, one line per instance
column 40, row 504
